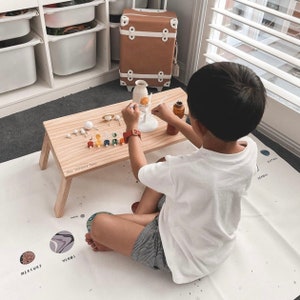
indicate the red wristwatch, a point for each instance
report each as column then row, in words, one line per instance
column 128, row 134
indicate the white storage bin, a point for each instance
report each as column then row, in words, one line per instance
column 16, row 26
column 17, row 62
column 56, row 17
column 116, row 8
column 72, row 53
column 115, row 41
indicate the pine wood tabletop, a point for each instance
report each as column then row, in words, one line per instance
column 71, row 150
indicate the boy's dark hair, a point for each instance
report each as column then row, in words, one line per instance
column 227, row 98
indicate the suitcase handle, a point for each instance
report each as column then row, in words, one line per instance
column 164, row 9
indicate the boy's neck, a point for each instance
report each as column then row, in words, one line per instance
column 215, row 144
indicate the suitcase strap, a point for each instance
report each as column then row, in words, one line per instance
column 132, row 34
column 160, row 76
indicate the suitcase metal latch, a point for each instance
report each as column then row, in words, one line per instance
column 160, row 76
column 130, row 75
column 174, row 23
column 131, row 33
column 124, row 20
column 165, row 35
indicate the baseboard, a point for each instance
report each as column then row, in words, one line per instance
column 279, row 138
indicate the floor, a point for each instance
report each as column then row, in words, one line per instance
column 264, row 265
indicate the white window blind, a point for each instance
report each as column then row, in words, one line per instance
column 264, row 35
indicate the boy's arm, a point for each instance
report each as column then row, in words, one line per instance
column 163, row 112
column 136, row 154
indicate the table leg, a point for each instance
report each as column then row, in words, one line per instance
column 62, row 196
column 45, row 153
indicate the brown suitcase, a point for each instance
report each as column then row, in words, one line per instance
column 147, row 46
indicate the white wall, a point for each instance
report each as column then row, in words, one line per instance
column 184, row 11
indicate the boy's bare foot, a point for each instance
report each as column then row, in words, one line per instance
column 134, row 206
column 95, row 246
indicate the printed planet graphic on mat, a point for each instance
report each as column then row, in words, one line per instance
column 265, row 152
column 27, row 257
column 62, row 242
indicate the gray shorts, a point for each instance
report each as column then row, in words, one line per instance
column 148, row 248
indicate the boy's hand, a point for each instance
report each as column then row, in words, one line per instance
column 163, row 112
column 131, row 115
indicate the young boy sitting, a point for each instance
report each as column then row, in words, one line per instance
column 186, row 220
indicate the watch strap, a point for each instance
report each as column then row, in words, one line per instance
column 129, row 133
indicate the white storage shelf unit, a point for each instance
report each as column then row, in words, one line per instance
column 17, row 51
column 49, row 86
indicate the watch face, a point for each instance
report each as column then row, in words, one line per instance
column 135, row 132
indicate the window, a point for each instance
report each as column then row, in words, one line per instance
column 265, row 35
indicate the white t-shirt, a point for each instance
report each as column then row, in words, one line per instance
column 202, row 210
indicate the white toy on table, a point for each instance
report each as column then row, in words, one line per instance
column 147, row 121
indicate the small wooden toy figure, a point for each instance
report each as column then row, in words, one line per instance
column 108, row 118
column 114, row 142
column 83, row 132
column 98, row 140
column 88, row 125
column 106, row 139
column 118, row 119
column 121, row 141
column 90, row 143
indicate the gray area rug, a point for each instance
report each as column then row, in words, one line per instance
column 22, row 133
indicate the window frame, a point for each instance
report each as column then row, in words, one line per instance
column 285, row 131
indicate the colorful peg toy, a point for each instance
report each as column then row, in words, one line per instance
column 98, row 140
column 106, row 143
column 121, row 141
column 90, row 143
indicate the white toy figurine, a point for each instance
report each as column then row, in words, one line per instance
column 147, row 121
